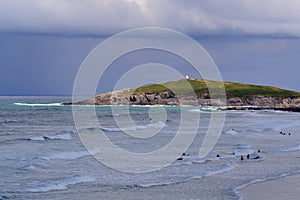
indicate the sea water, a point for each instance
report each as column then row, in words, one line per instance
column 42, row 156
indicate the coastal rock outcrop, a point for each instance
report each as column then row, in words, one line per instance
column 256, row 97
column 169, row 98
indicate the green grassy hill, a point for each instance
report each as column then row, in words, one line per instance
column 232, row 89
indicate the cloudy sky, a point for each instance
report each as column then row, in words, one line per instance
column 43, row 42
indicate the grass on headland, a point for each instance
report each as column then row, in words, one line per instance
column 232, row 89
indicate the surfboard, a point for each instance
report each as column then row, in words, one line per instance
column 226, row 152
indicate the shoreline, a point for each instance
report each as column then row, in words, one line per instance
column 284, row 186
column 216, row 108
column 280, row 186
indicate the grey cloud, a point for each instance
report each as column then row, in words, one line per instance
column 101, row 17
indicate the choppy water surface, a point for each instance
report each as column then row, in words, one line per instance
column 42, row 155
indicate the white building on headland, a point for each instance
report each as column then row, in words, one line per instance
column 187, row 77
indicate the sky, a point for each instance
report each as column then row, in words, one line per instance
column 44, row 42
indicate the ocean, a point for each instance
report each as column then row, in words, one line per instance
column 43, row 157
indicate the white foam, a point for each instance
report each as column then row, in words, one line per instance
column 201, row 161
column 69, row 155
column 182, row 163
column 38, row 104
column 157, row 125
column 149, row 106
column 241, row 152
column 37, row 138
column 134, row 128
column 30, row 167
column 65, row 136
column 225, row 168
column 194, row 110
column 220, row 171
column 209, row 108
column 61, row 184
column 111, row 129
column 231, row 132
column 261, row 180
column 204, row 109
column 259, row 129
column 290, row 148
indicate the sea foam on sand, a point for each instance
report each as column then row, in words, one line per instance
column 282, row 188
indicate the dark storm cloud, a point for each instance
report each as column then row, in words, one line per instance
column 102, row 17
column 43, row 42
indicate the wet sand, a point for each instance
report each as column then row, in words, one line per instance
column 286, row 187
column 282, row 188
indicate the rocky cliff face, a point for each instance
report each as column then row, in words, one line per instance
column 127, row 97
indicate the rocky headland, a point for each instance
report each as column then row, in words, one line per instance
column 175, row 93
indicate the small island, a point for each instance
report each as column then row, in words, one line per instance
column 195, row 92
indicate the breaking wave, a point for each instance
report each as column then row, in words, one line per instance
column 223, row 169
column 237, row 189
column 290, row 148
column 61, row 184
column 72, row 155
column 231, row 132
column 69, row 155
column 38, row 104
column 134, row 128
column 204, row 109
column 65, row 136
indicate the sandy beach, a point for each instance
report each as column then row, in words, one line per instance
column 232, row 185
column 282, row 188
column 248, row 180
column 285, row 187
